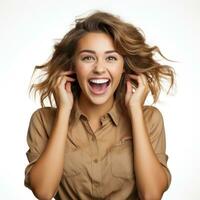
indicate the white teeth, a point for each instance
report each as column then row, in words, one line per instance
column 99, row 81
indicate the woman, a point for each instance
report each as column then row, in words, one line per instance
column 99, row 141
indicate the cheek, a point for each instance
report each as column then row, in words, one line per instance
column 78, row 67
column 117, row 74
column 119, row 78
column 81, row 73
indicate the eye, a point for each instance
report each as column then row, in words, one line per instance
column 87, row 58
column 111, row 58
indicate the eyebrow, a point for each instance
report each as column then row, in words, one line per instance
column 91, row 51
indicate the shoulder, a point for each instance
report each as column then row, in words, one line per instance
column 41, row 121
column 154, row 121
column 43, row 115
column 45, row 111
column 152, row 114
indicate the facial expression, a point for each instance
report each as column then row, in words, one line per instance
column 98, row 67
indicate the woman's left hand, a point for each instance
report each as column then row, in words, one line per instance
column 136, row 97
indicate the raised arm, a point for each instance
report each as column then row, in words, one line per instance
column 46, row 173
column 151, row 176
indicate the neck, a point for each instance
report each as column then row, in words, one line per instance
column 94, row 111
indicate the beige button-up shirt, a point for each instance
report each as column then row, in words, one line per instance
column 98, row 165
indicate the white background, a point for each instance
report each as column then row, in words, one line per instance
column 28, row 31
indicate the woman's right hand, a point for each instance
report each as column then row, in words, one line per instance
column 62, row 90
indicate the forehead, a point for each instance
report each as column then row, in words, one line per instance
column 96, row 42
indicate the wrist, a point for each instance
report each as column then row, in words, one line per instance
column 136, row 111
column 63, row 110
column 135, row 107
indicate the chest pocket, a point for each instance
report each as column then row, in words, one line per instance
column 122, row 159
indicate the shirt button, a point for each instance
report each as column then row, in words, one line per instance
column 95, row 160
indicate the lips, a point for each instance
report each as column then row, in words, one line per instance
column 98, row 85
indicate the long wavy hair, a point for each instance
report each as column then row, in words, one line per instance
column 128, row 40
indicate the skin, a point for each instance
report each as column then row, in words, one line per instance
column 151, row 178
column 46, row 173
column 97, row 57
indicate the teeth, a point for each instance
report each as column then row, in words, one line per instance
column 99, row 81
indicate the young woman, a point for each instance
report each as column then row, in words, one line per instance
column 98, row 140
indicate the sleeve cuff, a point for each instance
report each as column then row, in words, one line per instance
column 163, row 160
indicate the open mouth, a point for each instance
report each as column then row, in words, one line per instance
column 99, row 86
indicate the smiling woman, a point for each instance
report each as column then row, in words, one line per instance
column 99, row 69
column 98, row 140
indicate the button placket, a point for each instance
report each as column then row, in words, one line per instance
column 96, row 179
column 95, row 159
column 96, row 168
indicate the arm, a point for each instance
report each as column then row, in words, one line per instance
column 151, row 178
column 46, row 173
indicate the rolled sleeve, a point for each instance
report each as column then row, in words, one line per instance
column 157, row 136
column 36, row 139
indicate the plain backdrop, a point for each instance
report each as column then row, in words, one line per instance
column 28, row 31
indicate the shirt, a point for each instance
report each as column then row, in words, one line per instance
column 98, row 165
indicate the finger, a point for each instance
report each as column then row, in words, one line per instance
column 128, row 91
column 70, row 74
column 67, row 72
column 132, row 75
column 137, row 78
column 140, row 80
column 145, row 82
column 58, row 81
column 68, row 87
column 65, row 79
column 70, row 78
column 144, row 79
column 129, row 77
column 129, row 87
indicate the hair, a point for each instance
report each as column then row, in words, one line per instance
column 128, row 41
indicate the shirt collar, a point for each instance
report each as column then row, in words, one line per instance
column 77, row 113
column 114, row 113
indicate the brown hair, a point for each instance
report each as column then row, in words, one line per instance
column 128, row 41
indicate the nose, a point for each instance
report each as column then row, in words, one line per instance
column 99, row 67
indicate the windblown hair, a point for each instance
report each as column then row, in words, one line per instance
column 128, row 41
